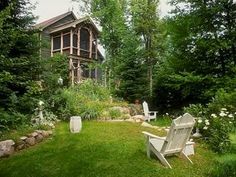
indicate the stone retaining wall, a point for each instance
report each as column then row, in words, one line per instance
column 8, row 147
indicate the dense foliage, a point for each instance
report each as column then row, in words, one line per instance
column 200, row 55
column 19, row 64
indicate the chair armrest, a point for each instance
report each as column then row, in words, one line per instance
column 153, row 112
column 153, row 136
column 190, row 143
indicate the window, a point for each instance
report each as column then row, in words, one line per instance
column 57, row 43
column 75, row 40
column 84, row 39
column 66, row 40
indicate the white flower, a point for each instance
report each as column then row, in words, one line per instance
column 207, row 123
column 41, row 103
column 230, row 122
column 205, row 128
column 223, row 109
column 213, row 115
column 199, row 121
column 222, row 114
column 167, row 113
column 230, row 116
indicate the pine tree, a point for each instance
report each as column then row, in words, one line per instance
column 201, row 52
column 19, row 61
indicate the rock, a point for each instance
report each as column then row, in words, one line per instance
column 49, row 132
column 126, row 116
column 145, row 124
column 39, row 131
column 140, row 117
column 20, row 146
column 135, row 109
column 23, row 138
column 116, row 120
column 6, row 148
column 39, row 138
column 30, row 141
column 45, row 133
column 34, row 134
column 129, row 120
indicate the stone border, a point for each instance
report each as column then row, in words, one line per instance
column 8, row 147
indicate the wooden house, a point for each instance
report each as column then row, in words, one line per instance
column 77, row 38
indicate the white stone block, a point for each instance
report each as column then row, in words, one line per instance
column 189, row 148
column 75, row 124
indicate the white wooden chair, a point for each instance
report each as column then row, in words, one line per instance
column 175, row 141
column 148, row 114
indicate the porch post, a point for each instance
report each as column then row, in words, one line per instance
column 96, row 57
column 90, row 43
column 71, row 42
column 51, row 46
column 61, row 42
column 78, row 72
column 71, row 68
column 78, row 42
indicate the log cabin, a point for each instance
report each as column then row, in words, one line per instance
column 77, row 38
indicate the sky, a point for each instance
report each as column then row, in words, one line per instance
column 46, row 9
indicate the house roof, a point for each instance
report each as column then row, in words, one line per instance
column 53, row 20
column 74, row 23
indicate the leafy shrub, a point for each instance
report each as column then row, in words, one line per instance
column 225, row 100
column 48, row 118
column 91, row 110
column 53, row 68
column 225, row 166
column 218, row 135
column 11, row 120
column 215, row 126
column 88, row 99
column 197, row 110
column 115, row 113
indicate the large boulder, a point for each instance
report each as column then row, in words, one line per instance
column 138, row 118
column 20, row 144
column 30, row 141
column 135, row 109
column 39, row 138
column 6, row 148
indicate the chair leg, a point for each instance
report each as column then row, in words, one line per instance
column 160, row 157
column 148, row 148
column 186, row 157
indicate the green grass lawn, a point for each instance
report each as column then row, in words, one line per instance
column 102, row 149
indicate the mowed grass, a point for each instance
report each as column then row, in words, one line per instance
column 102, row 149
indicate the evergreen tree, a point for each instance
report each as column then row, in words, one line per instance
column 130, row 35
column 19, row 61
column 146, row 24
column 201, row 52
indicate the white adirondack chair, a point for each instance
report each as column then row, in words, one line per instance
column 148, row 114
column 174, row 142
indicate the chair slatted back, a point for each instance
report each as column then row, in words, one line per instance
column 145, row 109
column 178, row 134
